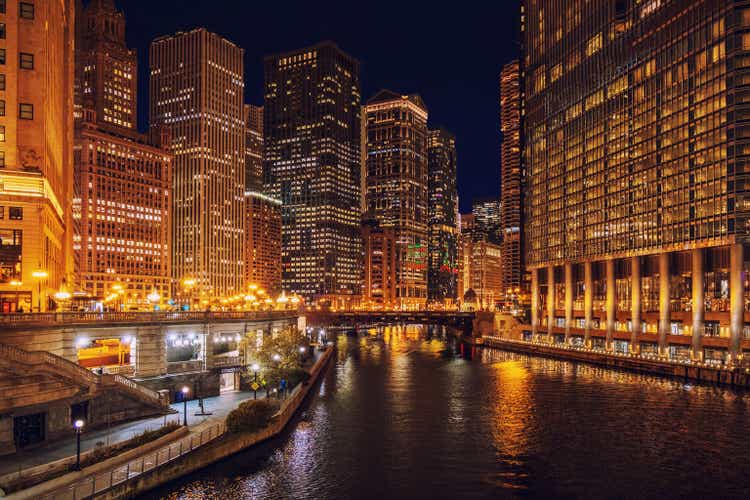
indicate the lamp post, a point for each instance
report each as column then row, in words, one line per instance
column 302, row 354
column 78, row 425
column 185, row 391
column 16, row 284
column 39, row 275
column 255, row 368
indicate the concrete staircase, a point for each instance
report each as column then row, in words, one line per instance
column 14, row 359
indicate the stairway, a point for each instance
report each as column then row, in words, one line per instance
column 57, row 366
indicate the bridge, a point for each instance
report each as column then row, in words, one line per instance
column 463, row 321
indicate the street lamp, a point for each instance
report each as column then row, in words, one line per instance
column 185, row 391
column 78, row 426
column 39, row 275
column 255, row 368
column 16, row 284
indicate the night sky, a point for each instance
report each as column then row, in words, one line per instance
column 450, row 53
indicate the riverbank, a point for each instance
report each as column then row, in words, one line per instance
column 206, row 443
column 721, row 375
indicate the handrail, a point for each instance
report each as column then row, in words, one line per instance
column 43, row 357
column 138, row 317
column 99, row 482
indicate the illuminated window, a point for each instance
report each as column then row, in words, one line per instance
column 2, row 133
column 2, row 107
column 2, row 159
column 594, row 44
column 26, row 10
column 15, row 213
column 26, row 60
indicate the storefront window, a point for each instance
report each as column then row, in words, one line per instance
column 184, row 347
column 100, row 353
column 716, row 280
column 10, row 255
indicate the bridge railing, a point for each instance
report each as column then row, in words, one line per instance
column 23, row 319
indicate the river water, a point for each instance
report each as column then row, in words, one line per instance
column 411, row 414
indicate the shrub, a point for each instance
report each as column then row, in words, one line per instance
column 251, row 416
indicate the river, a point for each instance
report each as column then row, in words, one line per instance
column 411, row 414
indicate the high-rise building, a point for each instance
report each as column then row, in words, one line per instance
column 486, row 220
column 122, row 179
column 106, row 69
column 379, row 285
column 636, row 146
column 397, row 179
column 442, row 270
column 36, row 153
column 121, row 212
column 197, row 90
column 263, row 242
column 485, row 273
column 311, row 134
column 253, row 147
column 511, row 177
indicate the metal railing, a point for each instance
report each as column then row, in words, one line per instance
column 63, row 366
column 9, row 320
column 98, row 482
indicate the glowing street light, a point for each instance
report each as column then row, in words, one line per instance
column 154, row 296
column 185, row 391
column 39, row 275
column 255, row 369
column 78, row 426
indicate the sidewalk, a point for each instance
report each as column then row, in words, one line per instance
column 220, row 406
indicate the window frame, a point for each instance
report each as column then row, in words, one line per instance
column 24, row 58
column 26, row 10
column 25, row 111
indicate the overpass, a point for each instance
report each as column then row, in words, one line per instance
column 463, row 321
column 116, row 366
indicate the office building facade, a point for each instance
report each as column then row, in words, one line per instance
column 636, row 149
column 442, row 201
column 253, row 147
column 379, row 284
column 262, row 242
column 36, row 153
column 197, row 91
column 396, row 185
column 511, row 178
column 311, row 127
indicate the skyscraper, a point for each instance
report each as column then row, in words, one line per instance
column 36, row 152
column 106, row 69
column 397, row 185
column 486, row 223
column 197, row 90
column 253, row 147
column 122, row 179
column 442, row 271
column 311, row 125
column 511, row 175
column 636, row 148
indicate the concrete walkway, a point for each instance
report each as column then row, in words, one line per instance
column 220, row 406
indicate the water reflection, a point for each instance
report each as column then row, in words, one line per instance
column 408, row 413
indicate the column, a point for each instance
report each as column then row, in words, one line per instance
column 534, row 302
column 698, row 303
column 664, row 326
column 635, row 304
column 736, row 301
column 611, row 302
column 568, row 300
column 550, row 301
column 588, row 302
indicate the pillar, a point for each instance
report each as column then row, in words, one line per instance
column 588, row 302
column 534, row 301
column 550, row 300
column 736, row 301
column 635, row 304
column 664, row 326
column 698, row 303
column 568, row 300
column 611, row 302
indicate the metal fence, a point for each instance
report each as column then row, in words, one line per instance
column 99, row 482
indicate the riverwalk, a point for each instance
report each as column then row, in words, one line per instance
column 147, row 467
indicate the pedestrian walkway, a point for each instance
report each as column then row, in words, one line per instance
column 220, row 406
